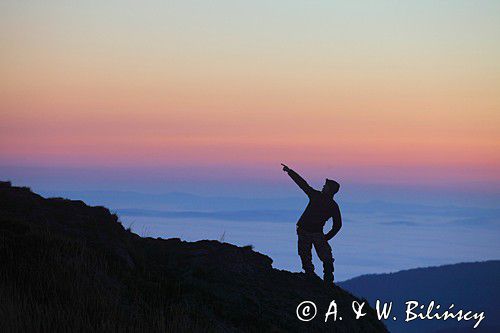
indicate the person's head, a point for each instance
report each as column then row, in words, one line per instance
column 330, row 187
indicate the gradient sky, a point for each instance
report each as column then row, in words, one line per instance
column 398, row 92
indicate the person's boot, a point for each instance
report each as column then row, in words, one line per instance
column 310, row 275
column 328, row 279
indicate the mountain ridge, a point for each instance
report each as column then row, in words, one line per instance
column 70, row 266
column 470, row 286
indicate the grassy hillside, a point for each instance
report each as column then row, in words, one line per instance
column 68, row 266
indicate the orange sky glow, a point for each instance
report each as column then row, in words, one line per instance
column 407, row 88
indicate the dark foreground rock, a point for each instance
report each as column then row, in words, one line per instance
column 66, row 266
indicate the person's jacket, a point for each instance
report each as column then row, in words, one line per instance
column 319, row 209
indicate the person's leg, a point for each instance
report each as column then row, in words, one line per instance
column 304, row 249
column 324, row 252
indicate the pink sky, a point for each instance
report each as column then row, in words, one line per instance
column 410, row 90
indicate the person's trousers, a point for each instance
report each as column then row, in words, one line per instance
column 306, row 240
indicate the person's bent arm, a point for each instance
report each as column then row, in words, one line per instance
column 299, row 180
column 337, row 223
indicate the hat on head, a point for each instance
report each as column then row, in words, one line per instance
column 333, row 185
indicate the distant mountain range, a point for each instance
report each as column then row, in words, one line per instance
column 180, row 204
column 469, row 286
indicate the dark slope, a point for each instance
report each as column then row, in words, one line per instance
column 470, row 286
column 68, row 266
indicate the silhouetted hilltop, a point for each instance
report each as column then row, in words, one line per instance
column 470, row 286
column 71, row 267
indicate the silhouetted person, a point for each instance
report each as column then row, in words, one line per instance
column 320, row 208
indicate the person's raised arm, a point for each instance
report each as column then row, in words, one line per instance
column 298, row 180
column 337, row 223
